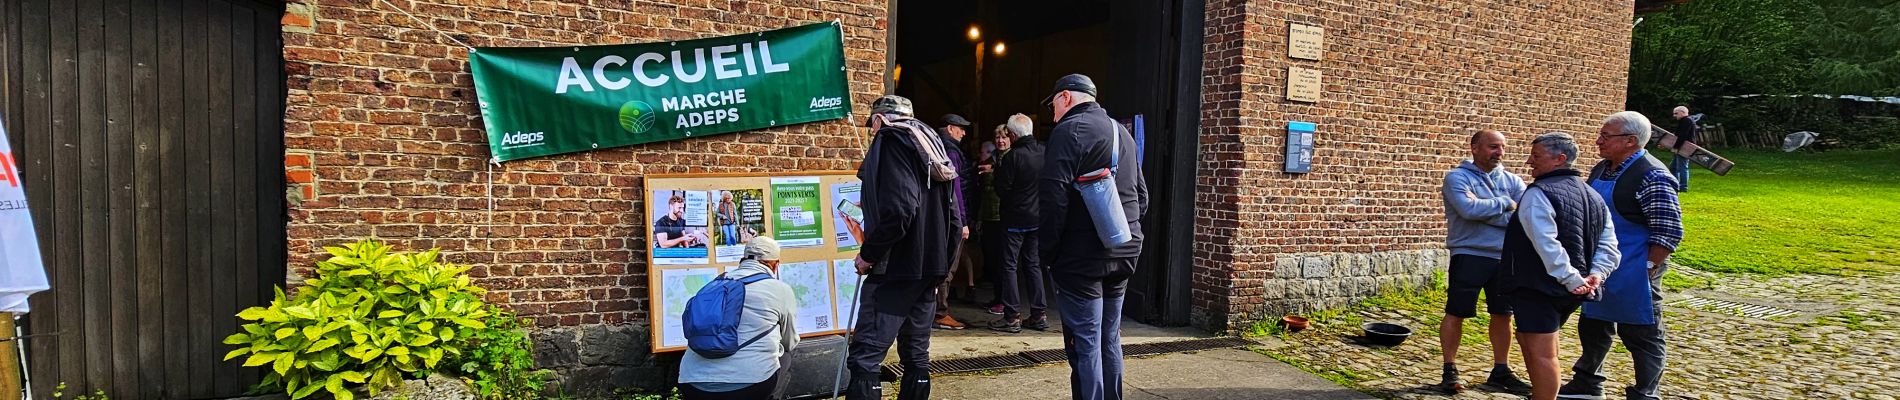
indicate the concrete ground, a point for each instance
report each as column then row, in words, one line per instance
column 1209, row 374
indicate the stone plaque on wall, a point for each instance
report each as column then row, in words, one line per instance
column 1305, row 42
column 1303, row 84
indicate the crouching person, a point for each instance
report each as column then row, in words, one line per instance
column 737, row 328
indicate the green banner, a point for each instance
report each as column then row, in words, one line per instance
column 552, row 100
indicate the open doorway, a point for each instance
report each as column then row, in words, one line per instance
column 988, row 59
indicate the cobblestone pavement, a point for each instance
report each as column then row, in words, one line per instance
column 1845, row 343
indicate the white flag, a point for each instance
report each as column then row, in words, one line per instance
column 21, row 274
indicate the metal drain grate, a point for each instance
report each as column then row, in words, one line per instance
column 1047, row 356
column 893, row 372
column 1734, row 308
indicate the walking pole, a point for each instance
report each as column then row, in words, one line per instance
column 837, row 381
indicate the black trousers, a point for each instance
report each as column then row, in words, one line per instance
column 761, row 390
column 898, row 312
column 1019, row 275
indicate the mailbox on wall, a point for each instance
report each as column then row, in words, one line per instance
column 1299, row 146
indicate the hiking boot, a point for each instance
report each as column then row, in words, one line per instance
column 1007, row 325
column 1503, row 380
column 1449, row 383
column 1580, row 391
column 948, row 323
column 1038, row 323
column 996, row 309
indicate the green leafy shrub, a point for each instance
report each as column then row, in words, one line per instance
column 499, row 361
column 368, row 317
column 59, row 392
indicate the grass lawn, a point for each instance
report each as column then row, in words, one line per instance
column 1836, row 212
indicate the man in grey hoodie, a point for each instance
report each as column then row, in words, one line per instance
column 1479, row 197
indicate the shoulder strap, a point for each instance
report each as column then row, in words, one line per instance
column 748, row 279
column 1115, row 146
column 768, row 331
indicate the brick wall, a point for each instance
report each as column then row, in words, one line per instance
column 385, row 112
column 1406, row 82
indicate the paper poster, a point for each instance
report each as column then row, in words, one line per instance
column 677, row 286
column 738, row 215
column 796, row 201
column 679, row 227
column 848, row 214
column 844, row 279
column 21, row 273
column 811, row 284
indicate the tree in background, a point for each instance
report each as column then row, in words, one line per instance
column 1700, row 50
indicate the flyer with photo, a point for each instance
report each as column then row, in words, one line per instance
column 679, row 227
column 738, row 216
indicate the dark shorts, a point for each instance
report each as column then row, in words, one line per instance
column 1469, row 275
column 1540, row 313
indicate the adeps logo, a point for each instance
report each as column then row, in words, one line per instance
column 826, row 103
column 637, row 117
column 519, row 139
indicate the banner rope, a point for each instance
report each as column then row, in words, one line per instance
column 425, row 24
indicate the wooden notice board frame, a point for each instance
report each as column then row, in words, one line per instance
column 828, row 251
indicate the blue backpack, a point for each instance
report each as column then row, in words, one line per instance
column 712, row 317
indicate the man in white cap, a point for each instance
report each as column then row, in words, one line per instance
column 753, row 371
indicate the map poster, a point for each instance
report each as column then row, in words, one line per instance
column 676, row 287
column 849, row 215
column 679, row 227
column 796, row 201
column 844, row 277
column 811, row 284
column 738, row 215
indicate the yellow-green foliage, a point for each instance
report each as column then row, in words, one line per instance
column 369, row 317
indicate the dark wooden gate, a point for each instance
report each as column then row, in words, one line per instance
column 150, row 136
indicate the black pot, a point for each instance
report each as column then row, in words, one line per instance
column 1384, row 334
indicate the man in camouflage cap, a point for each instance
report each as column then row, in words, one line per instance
column 910, row 231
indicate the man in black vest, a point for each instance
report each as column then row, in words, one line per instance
column 1558, row 248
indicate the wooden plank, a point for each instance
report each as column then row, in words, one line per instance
column 94, row 242
column 9, row 56
column 119, row 223
column 150, row 273
column 65, row 207
column 270, row 161
column 220, row 230
column 197, row 184
column 245, row 151
column 171, row 71
column 29, row 130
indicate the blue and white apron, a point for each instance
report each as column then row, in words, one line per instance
column 1626, row 295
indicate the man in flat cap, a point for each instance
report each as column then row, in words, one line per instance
column 1090, row 274
column 955, row 129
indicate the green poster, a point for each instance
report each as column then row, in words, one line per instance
column 798, row 211
column 538, row 101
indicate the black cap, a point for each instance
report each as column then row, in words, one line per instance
column 1072, row 82
column 889, row 104
column 958, row 120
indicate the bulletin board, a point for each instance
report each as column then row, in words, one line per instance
column 699, row 223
